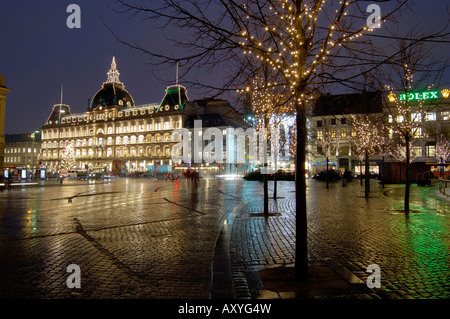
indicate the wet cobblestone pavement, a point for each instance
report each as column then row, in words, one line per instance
column 345, row 229
column 140, row 238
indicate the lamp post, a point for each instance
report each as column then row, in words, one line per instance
column 33, row 135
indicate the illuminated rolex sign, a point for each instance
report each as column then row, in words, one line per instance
column 415, row 96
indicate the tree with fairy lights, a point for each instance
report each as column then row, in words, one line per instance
column 407, row 115
column 270, row 105
column 308, row 43
column 442, row 150
column 68, row 159
column 368, row 140
column 327, row 143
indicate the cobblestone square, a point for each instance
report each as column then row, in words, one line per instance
column 142, row 238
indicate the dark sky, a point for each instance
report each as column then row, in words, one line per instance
column 38, row 53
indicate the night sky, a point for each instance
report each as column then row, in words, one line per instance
column 39, row 53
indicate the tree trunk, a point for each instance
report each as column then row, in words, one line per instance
column 266, row 194
column 360, row 173
column 327, row 173
column 407, row 175
column 367, row 173
column 275, row 185
column 265, row 177
column 301, row 249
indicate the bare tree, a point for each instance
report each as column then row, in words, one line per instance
column 414, row 69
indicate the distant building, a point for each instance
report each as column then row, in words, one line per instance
column 331, row 115
column 22, row 151
column 3, row 91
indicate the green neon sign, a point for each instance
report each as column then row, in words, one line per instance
column 415, row 96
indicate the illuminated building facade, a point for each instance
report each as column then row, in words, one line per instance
column 22, row 151
column 3, row 91
column 116, row 136
column 330, row 118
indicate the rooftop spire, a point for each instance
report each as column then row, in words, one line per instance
column 113, row 73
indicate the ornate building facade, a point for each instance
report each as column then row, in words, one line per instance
column 115, row 135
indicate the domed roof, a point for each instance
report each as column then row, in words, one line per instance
column 113, row 92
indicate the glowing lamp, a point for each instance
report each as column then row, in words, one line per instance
column 392, row 97
column 445, row 93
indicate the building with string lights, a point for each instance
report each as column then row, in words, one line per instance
column 330, row 122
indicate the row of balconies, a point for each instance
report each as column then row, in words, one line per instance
column 110, row 157
column 143, row 144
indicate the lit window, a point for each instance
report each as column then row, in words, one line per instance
column 319, row 135
column 333, row 134
column 430, row 150
column 343, row 133
column 416, row 117
column 445, row 116
column 417, row 133
column 431, row 116
column 417, row 151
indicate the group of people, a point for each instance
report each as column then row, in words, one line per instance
column 193, row 175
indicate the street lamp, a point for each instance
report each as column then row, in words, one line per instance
column 33, row 135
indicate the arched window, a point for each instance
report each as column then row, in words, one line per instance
column 133, row 139
column 125, row 140
column 118, row 140
column 166, row 137
column 166, row 151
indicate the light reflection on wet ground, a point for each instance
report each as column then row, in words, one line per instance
column 139, row 238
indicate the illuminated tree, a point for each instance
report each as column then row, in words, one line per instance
column 270, row 105
column 368, row 139
column 327, row 144
column 443, row 148
column 68, row 159
column 308, row 43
